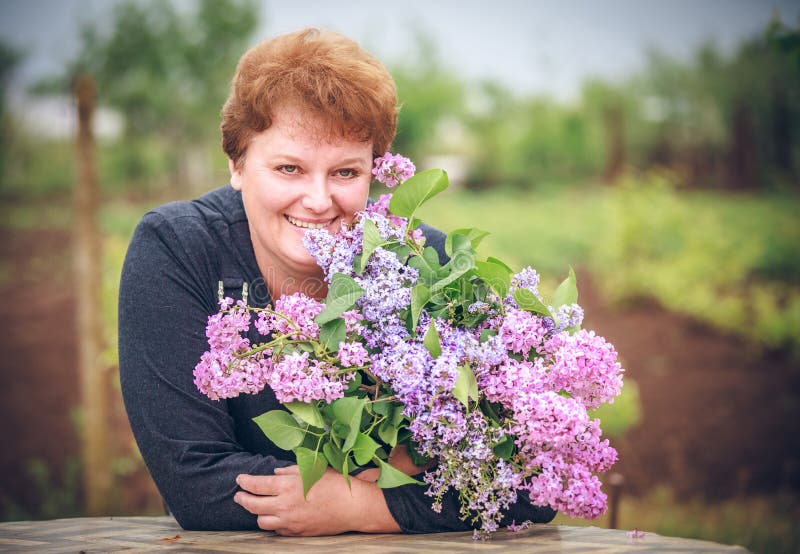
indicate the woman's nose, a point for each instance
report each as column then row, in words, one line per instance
column 317, row 198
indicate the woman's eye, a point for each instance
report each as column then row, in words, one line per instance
column 346, row 173
column 288, row 169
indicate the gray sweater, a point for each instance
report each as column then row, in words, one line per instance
column 195, row 447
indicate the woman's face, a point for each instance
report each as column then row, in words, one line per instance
column 293, row 179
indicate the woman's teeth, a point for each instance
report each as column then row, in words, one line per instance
column 306, row 224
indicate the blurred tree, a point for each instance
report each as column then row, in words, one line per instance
column 428, row 95
column 727, row 122
column 9, row 59
column 168, row 72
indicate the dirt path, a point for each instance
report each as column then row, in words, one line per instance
column 718, row 420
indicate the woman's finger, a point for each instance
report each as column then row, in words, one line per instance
column 290, row 470
column 257, row 505
column 269, row 522
column 264, row 485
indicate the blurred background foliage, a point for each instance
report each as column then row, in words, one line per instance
column 677, row 184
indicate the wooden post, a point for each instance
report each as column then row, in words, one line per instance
column 86, row 243
column 615, row 482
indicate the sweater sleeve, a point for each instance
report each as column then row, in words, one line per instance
column 188, row 442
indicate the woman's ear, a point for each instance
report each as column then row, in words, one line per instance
column 236, row 175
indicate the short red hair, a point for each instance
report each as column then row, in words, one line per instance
column 323, row 72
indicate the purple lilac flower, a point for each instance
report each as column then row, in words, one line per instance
column 528, row 279
column 391, row 170
column 387, row 292
column 568, row 316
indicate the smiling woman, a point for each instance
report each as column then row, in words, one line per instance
column 306, row 115
column 291, row 180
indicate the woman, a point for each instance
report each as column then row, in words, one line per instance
column 306, row 115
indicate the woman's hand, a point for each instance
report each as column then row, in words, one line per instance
column 329, row 508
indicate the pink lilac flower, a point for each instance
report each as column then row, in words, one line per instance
column 521, row 331
column 296, row 378
column 222, row 371
column 352, row 354
column 391, row 170
column 636, row 534
column 585, row 366
column 515, row 527
column 380, row 206
column 301, row 310
column 352, row 321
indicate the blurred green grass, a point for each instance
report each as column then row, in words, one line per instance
column 729, row 260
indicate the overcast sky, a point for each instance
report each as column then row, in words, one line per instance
column 532, row 46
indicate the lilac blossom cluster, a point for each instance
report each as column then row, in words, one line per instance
column 392, row 169
column 523, row 424
column 540, row 401
column 224, row 371
column 232, row 366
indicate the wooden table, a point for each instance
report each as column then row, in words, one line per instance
column 161, row 534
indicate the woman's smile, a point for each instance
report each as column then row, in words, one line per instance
column 304, row 223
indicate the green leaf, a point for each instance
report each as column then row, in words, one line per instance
column 312, row 466
column 372, row 240
column 346, row 469
column 342, row 295
column 364, row 448
column 462, row 262
column 391, row 477
column 399, row 249
column 494, row 275
column 466, row 386
column 334, row 455
column 486, row 333
column 348, row 411
column 382, row 408
column 281, row 428
column 419, row 296
column 431, row 340
column 528, row 301
column 307, row 412
column 504, row 448
column 332, row 333
column 340, row 430
column 567, row 291
column 494, row 260
column 387, row 431
column 416, row 191
column 456, row 242
column 473, row 235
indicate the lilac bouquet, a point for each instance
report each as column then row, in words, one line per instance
column 464, row 363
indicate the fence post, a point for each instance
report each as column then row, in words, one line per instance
column 87, row 247
column 615, row 482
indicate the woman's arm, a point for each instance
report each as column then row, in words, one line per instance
column 188, row 442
